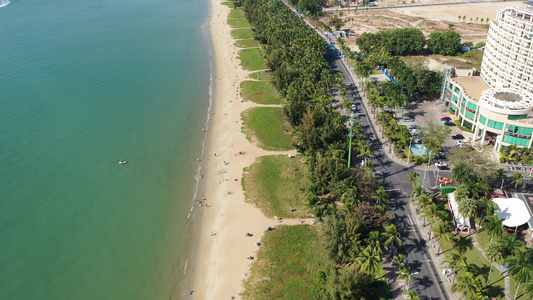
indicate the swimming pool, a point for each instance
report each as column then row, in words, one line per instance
column 418, row 150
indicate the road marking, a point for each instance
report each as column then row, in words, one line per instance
column 411, row 220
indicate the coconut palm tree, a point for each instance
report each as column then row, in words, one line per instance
column 413, row 177
column 374, row 242
column 418, row 190
column 467, row 208
column 380, row 196
column 469, row 285
column 441, row 232
column 500, row 174
column 493, row 253
column 392, row 236
column 485, row 207
column 399, row 261
column 527, row 289
column 508, row 244
column 455, row 260
column 460, row 173
column 518, row 180
column 430, row 212
column 494, row 226
column 521, row 267
column 411, row 294
column 369, row 261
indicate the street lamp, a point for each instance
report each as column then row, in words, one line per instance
column 429, row 162
column 409, row 278
column 409, row 150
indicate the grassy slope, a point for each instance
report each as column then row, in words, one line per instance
column 242, row 33
column 287, row 264
column 238, row 23
column 236, row 13
column 267, row 126
column 276, row 183
column 247, row 43
column 252, row 60
column 261, row 92
column 261, row 75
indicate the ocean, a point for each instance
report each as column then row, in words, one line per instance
column 83, row 85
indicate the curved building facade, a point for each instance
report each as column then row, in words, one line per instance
column 498, row 105
column 508, row 58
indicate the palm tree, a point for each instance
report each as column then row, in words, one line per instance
column 481, row 20
column 460, row 173
column 455, row 260
column 469, row 286
column 521, row 267
column 369, row 261
column 417, row 191
column 494, row 226
column 508, row 244
column 464, row 17
column 485, row 207
column 527, row 289
column 441, row 233
column 500, row 174
column 493, row 252
column 467, row 208
column 392, row 236
column 459, row 17
column 411, row 295
column 413, row 177
column 430, row 212
column 399, row 261
column 518, row 180
column 374, row 242
column 380, row 196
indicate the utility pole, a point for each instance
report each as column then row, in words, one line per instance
column 352, row 122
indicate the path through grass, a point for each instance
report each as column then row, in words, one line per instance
column 247, row 43
column 267, row 126
column 242, row 33
column 261, row 75
column 238, row 23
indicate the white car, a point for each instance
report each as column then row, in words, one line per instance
column 408, row 119
column 462, row 143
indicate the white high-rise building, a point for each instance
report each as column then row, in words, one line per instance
column 508, row 58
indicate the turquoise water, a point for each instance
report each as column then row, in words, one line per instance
column 418, row 150
column 84, row 84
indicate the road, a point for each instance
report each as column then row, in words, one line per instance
column 414, row 247
column 407, row 5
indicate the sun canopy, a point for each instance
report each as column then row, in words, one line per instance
column 513, row 211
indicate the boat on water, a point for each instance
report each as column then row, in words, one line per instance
column 122, row 162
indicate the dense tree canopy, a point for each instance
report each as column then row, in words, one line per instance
column 445, row 43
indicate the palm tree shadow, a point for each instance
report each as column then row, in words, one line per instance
column 423, row 283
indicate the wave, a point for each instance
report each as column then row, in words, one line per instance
column 4, row 3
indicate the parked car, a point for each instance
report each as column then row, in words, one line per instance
column 458, row 137
column 354, row 107
column 445, row 119
column 445, row 180
column 408, row 119
column 461, row 143
column 442, row 165
column 360, row 114
column 413, row 127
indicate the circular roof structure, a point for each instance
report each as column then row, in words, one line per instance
column 508, row 100
column 512, row 211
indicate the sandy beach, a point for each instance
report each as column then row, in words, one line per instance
column 219, row 260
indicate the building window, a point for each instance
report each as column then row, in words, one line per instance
column 495, row 125
column 516, row 140
column 451, row 86
column 455, row 98
column 482, row 120
column 453, row 107
column 516, row 117
column 456, row 90
column 467, row 125
column 470, row 115
column 519, row 131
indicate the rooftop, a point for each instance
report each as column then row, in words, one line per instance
column 473, row 86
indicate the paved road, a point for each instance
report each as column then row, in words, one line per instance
column 407, row 5
column 394, row 175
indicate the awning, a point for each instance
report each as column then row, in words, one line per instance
column 513, row 211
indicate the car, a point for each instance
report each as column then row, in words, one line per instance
column 445, row 180
column 442, row 165
column 408, row 119
column 360, row 114
column 458, row 137
column 446, row 119
column 354, row 107
column 461, row 142
column 413, row 127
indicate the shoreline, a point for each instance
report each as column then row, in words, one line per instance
column 216, row 248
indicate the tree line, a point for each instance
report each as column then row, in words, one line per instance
column 351, row 201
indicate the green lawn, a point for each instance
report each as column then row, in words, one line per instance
column 238, row 23
column 230, row 4
column 242, row 33
column 252, row 60
column 475, row 259
column 262, row 92
column 236, row 13
column 276, row 183
column 287, row 264
column 267, row 126
column 247, row 43
column 262, row 75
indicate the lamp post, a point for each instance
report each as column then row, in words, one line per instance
column 409, row 278
column 409, row 150
column 352, row 122
column 429, row 162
